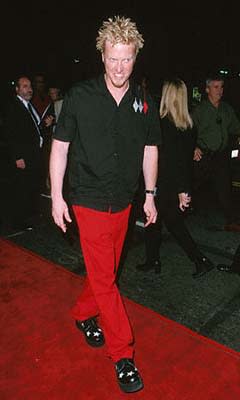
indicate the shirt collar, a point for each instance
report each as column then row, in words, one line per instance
column 25, row 102
column 103, row 87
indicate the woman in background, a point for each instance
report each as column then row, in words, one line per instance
column 174, row 180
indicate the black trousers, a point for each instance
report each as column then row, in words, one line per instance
column 169, row 213
column 215, row 168
column 24, row 194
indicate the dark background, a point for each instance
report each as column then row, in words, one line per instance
column 188, row 39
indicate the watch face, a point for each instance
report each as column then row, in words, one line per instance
column 153, row 192
column 234, row 153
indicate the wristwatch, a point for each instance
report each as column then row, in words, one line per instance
column 153, row 192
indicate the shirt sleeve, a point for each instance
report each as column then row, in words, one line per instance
column 66, row 124
column 154, row 130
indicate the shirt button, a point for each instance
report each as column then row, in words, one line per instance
column 115, row 154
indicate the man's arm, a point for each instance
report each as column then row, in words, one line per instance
column 14, row 131
column 150, row 171
column 57, row 168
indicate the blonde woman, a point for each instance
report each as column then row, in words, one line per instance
column 174, row 181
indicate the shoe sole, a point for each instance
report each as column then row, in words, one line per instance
column 131, row 388
column 100, row 344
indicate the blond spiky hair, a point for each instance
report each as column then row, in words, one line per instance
column 119, row 30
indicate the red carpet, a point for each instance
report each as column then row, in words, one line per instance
column 44, row 357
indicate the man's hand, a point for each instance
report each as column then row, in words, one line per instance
column 197, row 154
column 184, row 201
column 20, row 163
column 49, row 121
column 60, row 213
column 150, row 210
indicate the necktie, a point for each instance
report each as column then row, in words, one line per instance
column 32, row 113
column 30, row 109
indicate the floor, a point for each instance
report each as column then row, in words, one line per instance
column 210, row 305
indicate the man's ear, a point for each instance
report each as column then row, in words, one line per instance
column 207, row 90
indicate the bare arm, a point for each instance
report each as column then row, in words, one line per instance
column 57, row 168
column 150, row 171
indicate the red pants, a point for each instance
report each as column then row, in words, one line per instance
column 102, row 236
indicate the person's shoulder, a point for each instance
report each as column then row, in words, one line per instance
column 167, row 124
column 199, row 108
column 13, row 103
column 14, row 100
column 84, row 85
column 227, row 105
column 165, row 121
column 58, row 102
column 203, row 103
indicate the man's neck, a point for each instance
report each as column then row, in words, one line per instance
column 117, row 92
column 215, row 103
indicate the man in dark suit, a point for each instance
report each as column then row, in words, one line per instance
column 24, row 139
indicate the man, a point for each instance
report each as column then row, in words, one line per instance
column 112, row 139
column 48, row 125
column 25, row 147
column 41, row 98
column 217, row 125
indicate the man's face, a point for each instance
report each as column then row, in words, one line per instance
column 24, row 89
column 53, row 93
column 39, row 84
column 215, row 91
column 119, row 61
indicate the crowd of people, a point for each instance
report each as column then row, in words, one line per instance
column 108, row 136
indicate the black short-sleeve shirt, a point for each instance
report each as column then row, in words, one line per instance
column 106, row 143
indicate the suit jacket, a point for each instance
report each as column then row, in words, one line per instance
column 22, row 135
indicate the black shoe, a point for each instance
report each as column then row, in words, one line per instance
column 148, row 266
column 227, row 268
column 93, row 334
column 128, row 376
column 203, row 266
